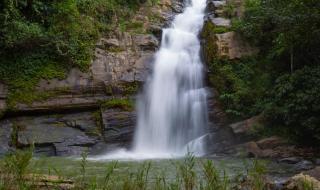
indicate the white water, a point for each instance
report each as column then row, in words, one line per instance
column 172, row 111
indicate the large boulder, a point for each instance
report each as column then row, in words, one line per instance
column 302, row 182
column 271, row 142
column 314, row 173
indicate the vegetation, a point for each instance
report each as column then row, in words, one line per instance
column 17, row 172
column 44, row 39
column 283, row 80
column 122, row 103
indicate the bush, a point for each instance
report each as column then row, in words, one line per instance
column 296, row 105
column 242, row 85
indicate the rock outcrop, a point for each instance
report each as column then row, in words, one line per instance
column 71, row 119
column 219, row 39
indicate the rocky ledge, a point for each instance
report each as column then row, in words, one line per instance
column 89, row 110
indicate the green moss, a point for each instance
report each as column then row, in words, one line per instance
column 121, row 103
column 99, row 123
column 210, row 48
column 123, row 89
column 221, row 30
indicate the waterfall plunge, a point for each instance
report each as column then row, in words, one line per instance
column 172, row 110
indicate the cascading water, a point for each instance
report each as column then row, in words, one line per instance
column 172, row 110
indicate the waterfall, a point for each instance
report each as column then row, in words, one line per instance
column 172, row 110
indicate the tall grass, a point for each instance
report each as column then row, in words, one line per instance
column 190, row 175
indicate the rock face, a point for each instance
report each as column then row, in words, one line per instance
column 5, row 137
column 227, row 44
column 231, row 45
column 71, row 120
column 119, row 127
column 69, row 134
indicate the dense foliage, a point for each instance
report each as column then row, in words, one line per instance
column 283, row 81
column 43, row 39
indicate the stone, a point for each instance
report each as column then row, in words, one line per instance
column 271, row 142
column 232, row 46
column 290, row 160
column 57, row 135
column 41, row 134
column 269, row 153
column 146, row 41
column 5, row 136
column 108, row 43
column 246, row 126
column 297, row 182
column 177, row 7
column 304, row 165
column 252, row 149
column 219, row 21
column 314, row 173
column 213, row 6
column 119, row 126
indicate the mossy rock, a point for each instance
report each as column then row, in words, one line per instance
column 210, row 48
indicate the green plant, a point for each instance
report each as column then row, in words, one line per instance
column 15, row 168
column 122, row 103
column 187, row 172
column 256, row 174
column 212, row 178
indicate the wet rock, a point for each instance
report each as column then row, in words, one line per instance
column 214, row 6
column 290, row 160
column 271, row 142
column 177, row 7
column 119, row 126
column 299, row 181
column 156, row 30
column 313, row 173
column 304, row 165
column 5, row 137
column 52, row 136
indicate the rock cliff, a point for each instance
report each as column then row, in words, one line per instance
column 90, row 110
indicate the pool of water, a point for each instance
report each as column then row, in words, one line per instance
column 72, row 168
